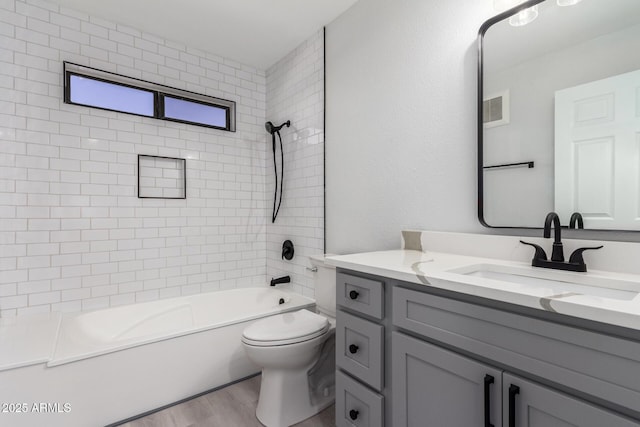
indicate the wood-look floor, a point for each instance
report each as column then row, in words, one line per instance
column 232, row 406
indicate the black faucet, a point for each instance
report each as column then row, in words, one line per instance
column 576, row 261
column 557, row 253
column 576, row 220
column 279, row 280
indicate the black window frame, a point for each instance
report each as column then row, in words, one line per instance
column 159, row 91
column 162, row 116
column 67, row 93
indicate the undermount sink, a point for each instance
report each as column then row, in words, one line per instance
column 552, row 282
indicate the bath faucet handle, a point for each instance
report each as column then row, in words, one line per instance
column 287, row 250
column 576, row 256
column 540, row 253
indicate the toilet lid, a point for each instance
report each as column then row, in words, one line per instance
column 287, row 328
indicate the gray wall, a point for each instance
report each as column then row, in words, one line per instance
column 401, row 117
column 401, row 123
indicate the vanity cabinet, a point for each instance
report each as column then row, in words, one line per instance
column 436, row 358
column 569, row 357
column 439, row 388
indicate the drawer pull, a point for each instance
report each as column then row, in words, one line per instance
column 354, row 294
column 513, row 390
column 488, row 380
column 353, row 414
column 353, row 349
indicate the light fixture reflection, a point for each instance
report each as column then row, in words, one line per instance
column 524, row 17
column 568, row 2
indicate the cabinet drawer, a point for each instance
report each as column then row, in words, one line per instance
column 359, row 348
column 356, row 405
column 360, row 294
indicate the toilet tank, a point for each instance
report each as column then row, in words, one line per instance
column 324, row 283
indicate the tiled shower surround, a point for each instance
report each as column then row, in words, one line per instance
column 295, row 91
column 73, row 234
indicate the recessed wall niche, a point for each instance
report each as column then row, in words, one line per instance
column 162, row 177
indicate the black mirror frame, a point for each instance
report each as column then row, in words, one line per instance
column 480, row 128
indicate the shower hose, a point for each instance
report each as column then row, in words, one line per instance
column 274, row 214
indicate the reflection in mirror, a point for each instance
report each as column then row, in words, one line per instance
column 559, row 125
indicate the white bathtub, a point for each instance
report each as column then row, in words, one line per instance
column 113, row 364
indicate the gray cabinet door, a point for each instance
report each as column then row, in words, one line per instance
column 527, row 404
column 433, row 387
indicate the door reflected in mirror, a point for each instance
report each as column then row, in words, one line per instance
column 561, row 94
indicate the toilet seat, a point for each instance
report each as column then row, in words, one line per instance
column 286, row 328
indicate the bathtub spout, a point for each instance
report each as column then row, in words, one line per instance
column 279, row 280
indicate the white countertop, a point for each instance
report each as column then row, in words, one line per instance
column 434, row 269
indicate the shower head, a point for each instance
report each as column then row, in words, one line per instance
column 269, row 127
column 273, row 129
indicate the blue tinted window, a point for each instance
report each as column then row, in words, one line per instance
column 194, row 112
column 91, row 87
column 110, row 96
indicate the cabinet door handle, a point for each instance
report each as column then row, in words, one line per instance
column 353, row 349
column 353, row 294
column 353, row 414
column 513, row 390
column 488, row 380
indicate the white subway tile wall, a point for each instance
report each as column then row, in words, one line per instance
column 73, row 234
column 295, row 91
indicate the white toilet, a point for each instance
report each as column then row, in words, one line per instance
column 296, row 351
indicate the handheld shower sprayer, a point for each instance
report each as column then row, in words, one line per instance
column 273, row 130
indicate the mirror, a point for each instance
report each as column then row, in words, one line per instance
column 559, row 115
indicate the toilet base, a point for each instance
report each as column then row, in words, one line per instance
column 281, row 402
